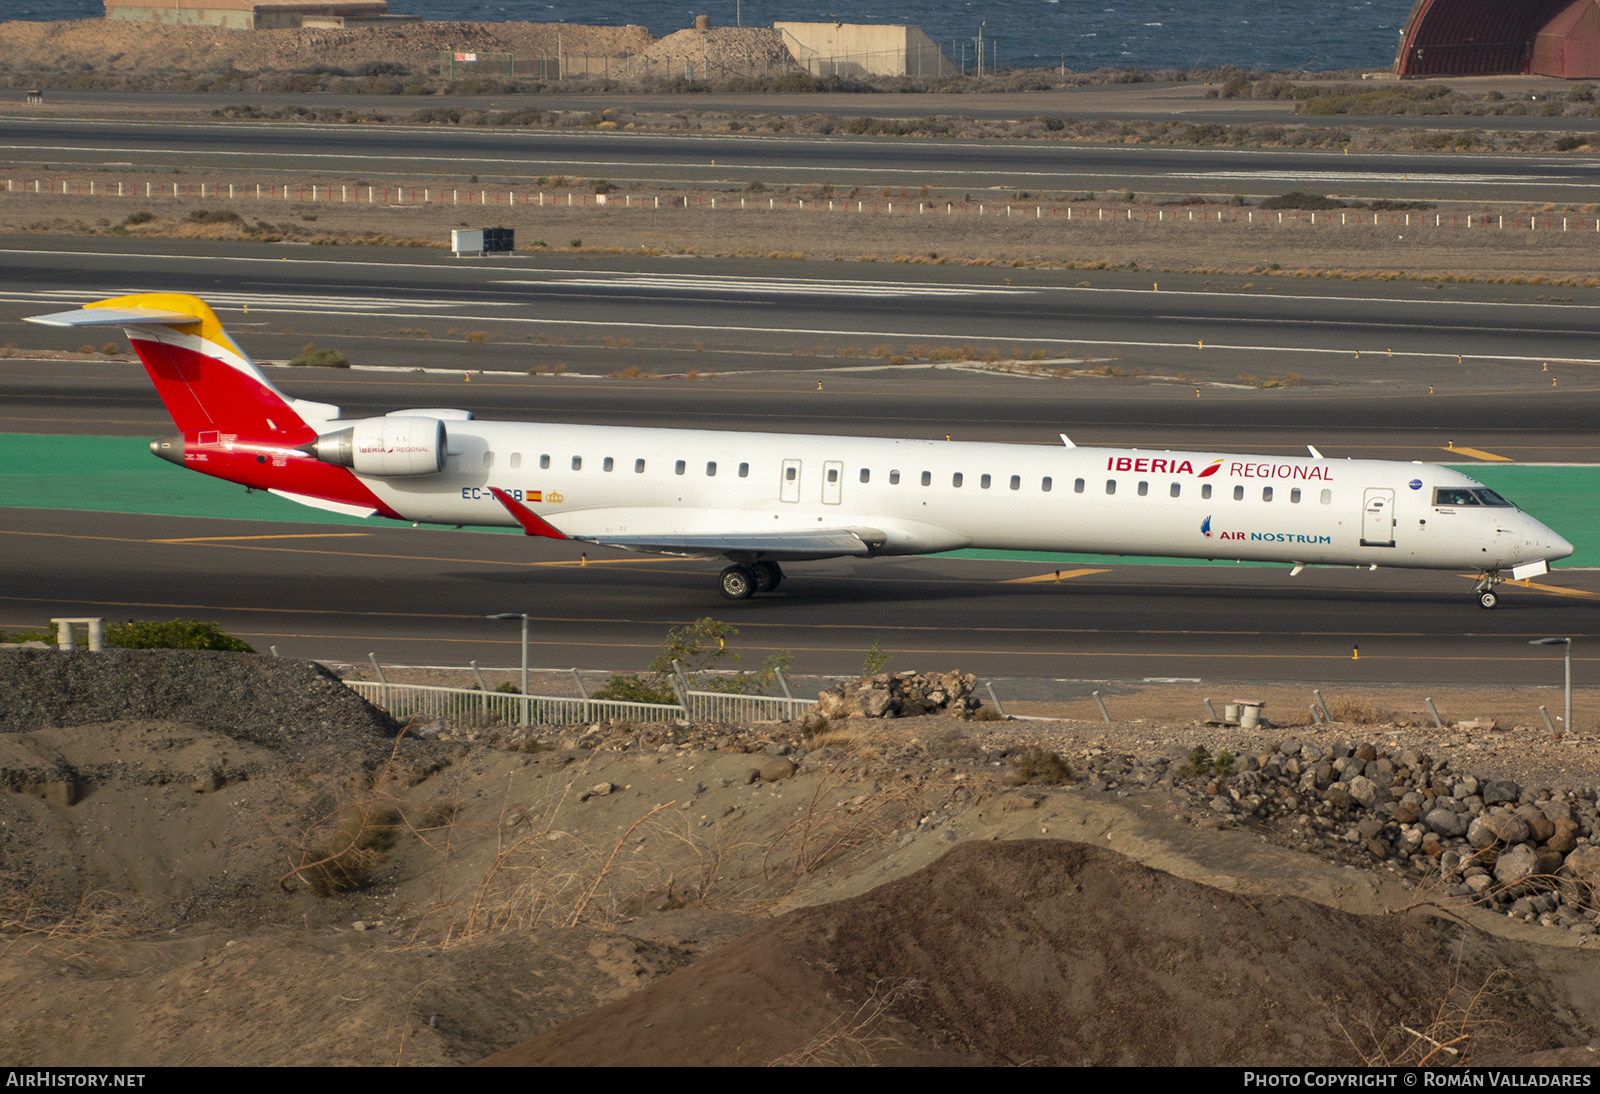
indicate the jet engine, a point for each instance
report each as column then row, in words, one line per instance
column 385, row 447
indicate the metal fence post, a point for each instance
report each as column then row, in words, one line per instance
column 787, row 694
column 998, row 709
column 1103, row 713
column 382, row 679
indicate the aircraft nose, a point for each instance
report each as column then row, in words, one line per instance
column 1551, row 546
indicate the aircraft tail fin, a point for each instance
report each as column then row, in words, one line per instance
column 206, row 381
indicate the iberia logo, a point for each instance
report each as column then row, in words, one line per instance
column 1207, row 473
column 553, row 496
column 1205, row 527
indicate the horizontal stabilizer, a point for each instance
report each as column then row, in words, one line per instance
column 114, row 317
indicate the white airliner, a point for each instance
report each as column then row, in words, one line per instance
column 758, row 499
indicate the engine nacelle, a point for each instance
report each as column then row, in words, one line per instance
column 385, row 447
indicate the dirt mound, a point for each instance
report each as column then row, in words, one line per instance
column 1056, row 953
column 280, row 704
column 719, row 53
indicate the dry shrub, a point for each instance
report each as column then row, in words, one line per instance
column 1360, row 712
column 851, row 1039
column 1458, row 1028
column 99, row 916
column 478, row 337
column 1040, row 765
column 824, row 832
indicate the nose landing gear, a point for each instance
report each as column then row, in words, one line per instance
column 1484, row 589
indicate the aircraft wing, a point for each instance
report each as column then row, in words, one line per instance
column 809, row 543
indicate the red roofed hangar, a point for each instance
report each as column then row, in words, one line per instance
column 1501, row 37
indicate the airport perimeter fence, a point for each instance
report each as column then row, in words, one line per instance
column 316, row 193
column 479, row 708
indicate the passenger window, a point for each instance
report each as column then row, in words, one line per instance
column 638, row 467
column 1327, row 497
column 1044, row 484
column 488, row 457
column 983, row 483
column 1177, row 488
column 680, row 467
column 577, row 463
column 1144, row 489
column 711, row 469
column 1077, row 486
column 894, row 478
column 927, row 478
column 1205, row 492
column 1016, row 482
column 544, row 461
column 1238, row 493
column 516, row 459
column 955, row 480
column 744, row 471
column 866, row 476
column 1266, row 493
column 1111, row 486
column 1294, row 496
column 609, row 464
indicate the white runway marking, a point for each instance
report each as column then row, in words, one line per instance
column 771, row 285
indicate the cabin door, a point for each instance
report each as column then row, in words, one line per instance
column 1377, row 519
column 832, row 481
column 789, row 486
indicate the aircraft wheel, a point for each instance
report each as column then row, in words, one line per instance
column 767, row 576
column 1487, row 599
column 737, row 583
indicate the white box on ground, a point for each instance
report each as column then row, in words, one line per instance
column 466, row 241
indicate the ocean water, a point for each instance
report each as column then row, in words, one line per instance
column 1300, row 35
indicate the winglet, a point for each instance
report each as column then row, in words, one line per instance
column 531, row 522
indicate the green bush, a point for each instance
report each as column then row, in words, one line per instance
column 173, row 634
column 320, row 358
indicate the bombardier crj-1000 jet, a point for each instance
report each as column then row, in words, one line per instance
column 760, row 499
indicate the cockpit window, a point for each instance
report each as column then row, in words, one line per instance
column 1461, row 497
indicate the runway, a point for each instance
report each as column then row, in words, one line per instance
column 1459, row 337
column 419, row 595
column 415, row 596
column 730, row 159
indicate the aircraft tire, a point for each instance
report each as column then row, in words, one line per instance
column 767, row 576
column 737, row 583
column 1487, row 599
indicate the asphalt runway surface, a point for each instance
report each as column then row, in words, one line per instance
column 1464, row 340
column 418, row 595
column 509, row 155
column 421, row 597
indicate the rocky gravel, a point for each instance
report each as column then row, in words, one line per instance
column 281, row 704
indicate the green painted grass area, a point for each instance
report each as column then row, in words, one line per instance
column 119, row 475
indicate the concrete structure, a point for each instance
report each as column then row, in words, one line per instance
column 856, row 49
column 1500, row 37
column 248, row 14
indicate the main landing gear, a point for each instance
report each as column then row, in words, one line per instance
column 743, row 579
column 1484, row 589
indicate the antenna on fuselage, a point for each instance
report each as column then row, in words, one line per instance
column 1311, row 448
column 1066, row 440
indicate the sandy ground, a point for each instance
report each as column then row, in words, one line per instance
column 949, row 229
column 163, row 899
